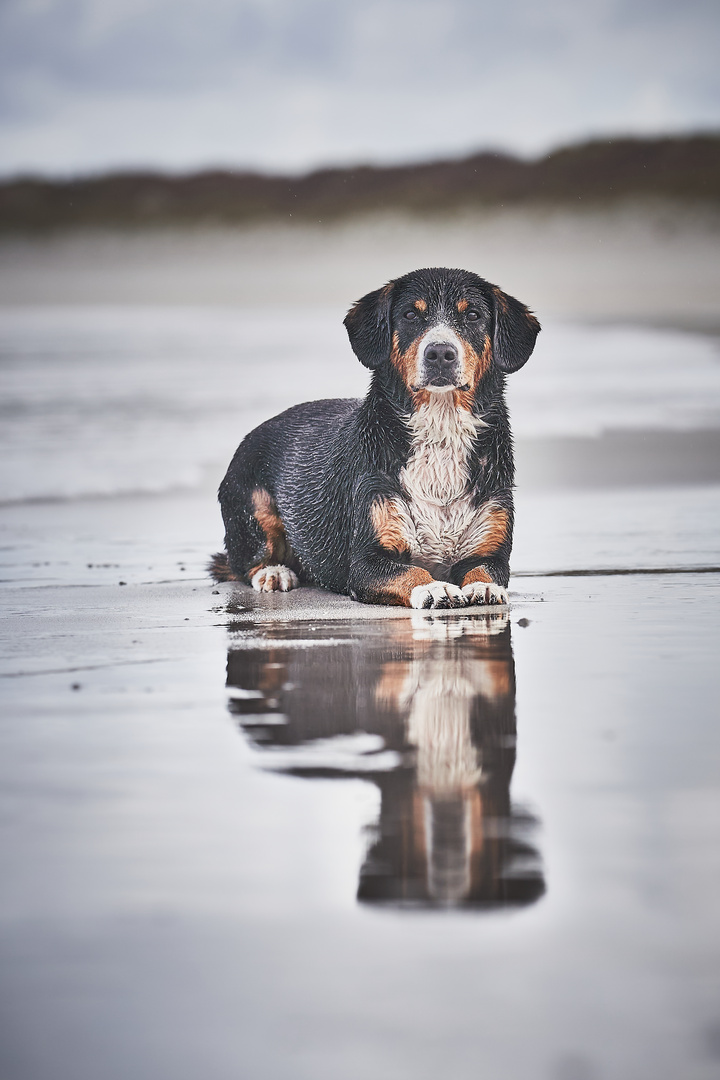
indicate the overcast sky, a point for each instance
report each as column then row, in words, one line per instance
column 87, row 85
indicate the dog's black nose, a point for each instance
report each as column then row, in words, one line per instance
column 440, row 352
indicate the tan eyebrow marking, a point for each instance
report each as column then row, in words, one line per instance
column 463, row 305
column 421, row 305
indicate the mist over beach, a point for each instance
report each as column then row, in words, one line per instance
column 291, row 835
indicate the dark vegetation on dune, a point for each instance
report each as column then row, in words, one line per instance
column 603, row 171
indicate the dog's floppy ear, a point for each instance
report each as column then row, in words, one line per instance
column 368, row 326
column 515, row 331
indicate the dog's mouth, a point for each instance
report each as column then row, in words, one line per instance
column 440, row 382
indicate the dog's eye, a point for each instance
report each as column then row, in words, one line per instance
column 410, row 314
column 472, row 315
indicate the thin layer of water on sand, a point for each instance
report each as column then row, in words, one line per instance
column 101, row 401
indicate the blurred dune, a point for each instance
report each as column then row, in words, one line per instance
column 601, row 171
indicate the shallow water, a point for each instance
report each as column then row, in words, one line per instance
column 102, row 401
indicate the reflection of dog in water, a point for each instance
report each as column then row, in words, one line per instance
column 441, row 696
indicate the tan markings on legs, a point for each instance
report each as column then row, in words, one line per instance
column 277, row 549
column 478, row 587
column 397, row 590
column 478, row 574
column 497, row 529
column 490, row 531
column 390, row 526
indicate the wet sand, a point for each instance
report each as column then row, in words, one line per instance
column 298, row 837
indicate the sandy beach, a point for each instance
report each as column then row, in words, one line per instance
column 296, row 837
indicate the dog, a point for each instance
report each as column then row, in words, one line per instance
column 403, row 497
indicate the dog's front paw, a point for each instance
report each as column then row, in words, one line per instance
column 481, row 592
column 274, row 579
column 438, row 594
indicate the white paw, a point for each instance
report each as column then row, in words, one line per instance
column 438, row 594
column 480, row 592
column 274, row 579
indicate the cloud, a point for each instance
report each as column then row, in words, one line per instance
column 286, row 84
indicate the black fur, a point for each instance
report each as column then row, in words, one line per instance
column 324, row 462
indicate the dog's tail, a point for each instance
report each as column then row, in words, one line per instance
column 219, row 568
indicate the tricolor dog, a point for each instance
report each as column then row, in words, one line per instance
column 404, row 497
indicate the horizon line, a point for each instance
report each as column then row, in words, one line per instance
column 489, row 151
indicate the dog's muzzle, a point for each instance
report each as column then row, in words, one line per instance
column 440, row 365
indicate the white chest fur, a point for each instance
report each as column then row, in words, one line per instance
column 441, row 522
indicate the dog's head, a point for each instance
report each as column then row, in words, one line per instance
column 443, row 330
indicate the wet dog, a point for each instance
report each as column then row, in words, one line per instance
column 404, row 497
